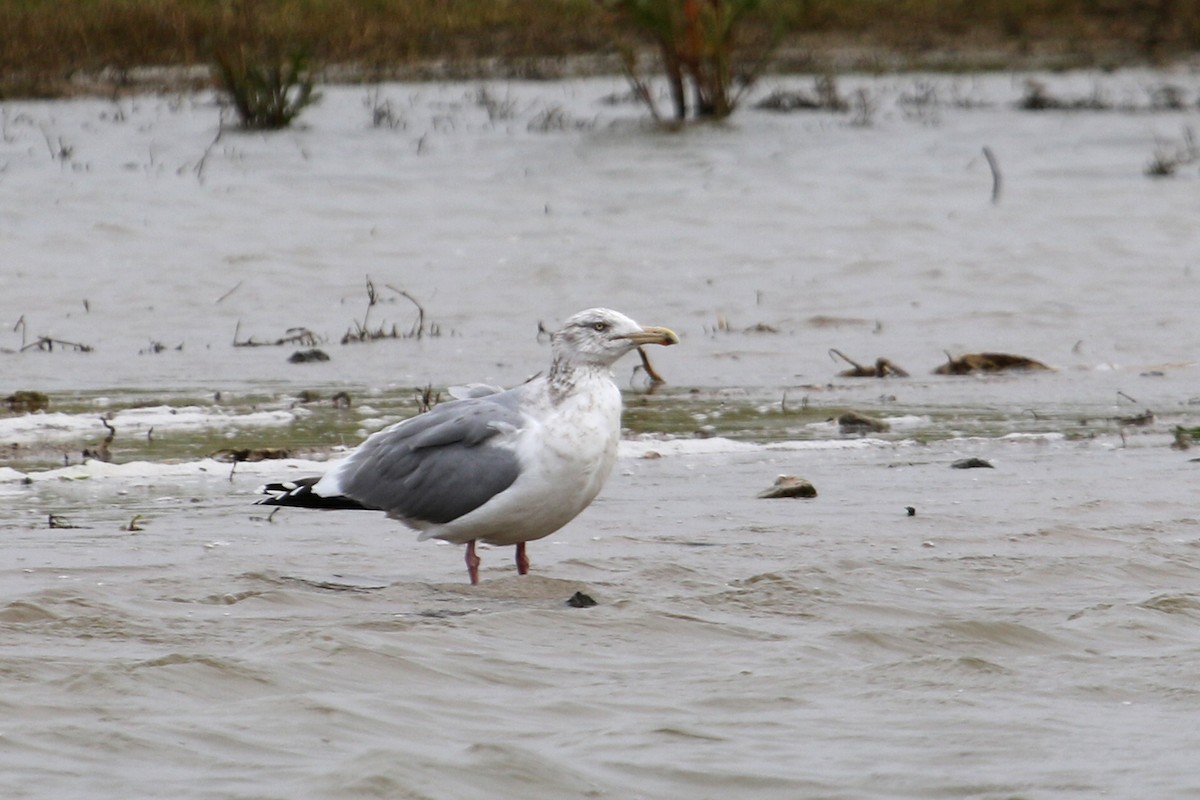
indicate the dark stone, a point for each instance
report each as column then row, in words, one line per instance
column 971, row 463
column 580, row 600
column 307, row 356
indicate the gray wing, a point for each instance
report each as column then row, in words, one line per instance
column 439, row 465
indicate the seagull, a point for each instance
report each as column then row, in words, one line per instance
column 501, row 467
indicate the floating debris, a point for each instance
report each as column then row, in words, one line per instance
column 854, row 422
column 788, row 486
column 989, row 362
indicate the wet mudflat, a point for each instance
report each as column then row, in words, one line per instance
column 1025, row 631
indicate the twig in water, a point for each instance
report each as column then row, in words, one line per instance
column 48, row 343
column 655, row 378
column 231, row 291
column 995, row 167
column 104, row 451
column 427, row 398
column 417, row 330
column 299, row 336
column 362, row 332
column 202, row 162
column 858, row 368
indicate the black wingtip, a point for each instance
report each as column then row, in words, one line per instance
column 300, row 494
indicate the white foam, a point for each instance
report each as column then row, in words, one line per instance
column 42, row 426
column 140, row 471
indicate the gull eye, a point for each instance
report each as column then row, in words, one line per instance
column 600, row 327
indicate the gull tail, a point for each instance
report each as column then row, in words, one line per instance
column 300, row 494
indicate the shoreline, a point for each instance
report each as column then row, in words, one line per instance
column 798, row 60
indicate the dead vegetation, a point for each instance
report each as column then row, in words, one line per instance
column 267, row 90
column 102, row 451
column 427, row 398
column 1158, row 97
column 293, row 336
column 1184, row 437
column 250, row 454
column 44, row 344
column 824, row 97
column 971, row 363
column 25, row 401
column 882, row 368
column 53, row 48
column 1169, row 157
column 363, row 332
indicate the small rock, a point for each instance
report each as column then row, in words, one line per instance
column 853, row 422
column 580, row 600
column 789, row 486
column 912, row 512
column 308, row 356
column 971, row 463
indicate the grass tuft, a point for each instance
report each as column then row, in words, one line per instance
column 267, row 94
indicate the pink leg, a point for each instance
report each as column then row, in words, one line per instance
column 472, row 563
column 522, row 559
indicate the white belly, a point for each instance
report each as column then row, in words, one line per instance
column 565, row 461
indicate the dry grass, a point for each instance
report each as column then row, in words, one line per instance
column 44, row 44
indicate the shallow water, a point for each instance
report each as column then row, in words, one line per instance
column 1029, row 632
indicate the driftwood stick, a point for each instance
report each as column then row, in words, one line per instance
column 995, row 168
column 655, row 378
column 835, row 352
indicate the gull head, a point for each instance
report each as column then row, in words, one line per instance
column 599, row 336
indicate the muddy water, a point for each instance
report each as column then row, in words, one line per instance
column 1029, row 631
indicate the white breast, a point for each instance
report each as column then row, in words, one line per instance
column 567, row 452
